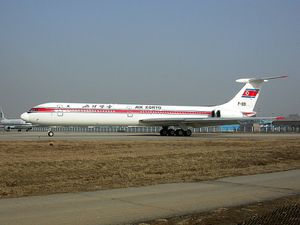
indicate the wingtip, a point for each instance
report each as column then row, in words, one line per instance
column 279, row 77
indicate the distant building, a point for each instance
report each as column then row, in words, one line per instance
column 293, row 117
column 290, row 124
column 230, row 128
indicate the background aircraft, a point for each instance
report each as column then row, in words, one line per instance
column 174, row 120
column 10, row 124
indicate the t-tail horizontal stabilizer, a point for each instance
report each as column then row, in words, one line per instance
column 258, row 80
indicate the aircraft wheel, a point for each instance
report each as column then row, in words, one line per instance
column 179, row 132
column 50, row 133
column 171, row 132
column 188, row 132
column 163, row 132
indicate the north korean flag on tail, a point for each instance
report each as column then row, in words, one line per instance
column 250, row 93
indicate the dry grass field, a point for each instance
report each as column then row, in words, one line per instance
column 45, row 167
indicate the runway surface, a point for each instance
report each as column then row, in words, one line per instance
column 123, row 206
column 35, row 136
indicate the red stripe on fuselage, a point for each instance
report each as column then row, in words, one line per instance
column 42, row 110
column 125, row 111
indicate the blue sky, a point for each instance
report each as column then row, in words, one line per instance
column 152, row 52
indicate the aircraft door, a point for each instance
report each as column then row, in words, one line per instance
column 129, row 113
column 60, row 111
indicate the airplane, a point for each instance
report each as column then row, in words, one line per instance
column 174, row 120
column 10, row 124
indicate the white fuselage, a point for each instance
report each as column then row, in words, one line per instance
column 90, row 114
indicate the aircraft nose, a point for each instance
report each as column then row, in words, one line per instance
column 25, row 116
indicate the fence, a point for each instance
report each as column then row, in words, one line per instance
column 217, row 129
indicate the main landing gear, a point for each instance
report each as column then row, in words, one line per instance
column 165, row 131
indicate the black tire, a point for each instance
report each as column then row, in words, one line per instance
column 171, row 132
column 163, row 132
column 188, row 133
column 179, row 132
column 50, row 133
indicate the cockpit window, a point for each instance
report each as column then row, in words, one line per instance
column 33, row 110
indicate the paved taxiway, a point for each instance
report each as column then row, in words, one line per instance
column 35, row 136
column 123, row 206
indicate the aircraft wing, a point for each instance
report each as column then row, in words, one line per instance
column 202, row 122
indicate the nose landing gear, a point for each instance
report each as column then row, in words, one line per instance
column 50, row 133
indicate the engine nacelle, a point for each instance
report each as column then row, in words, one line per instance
column 226, row 114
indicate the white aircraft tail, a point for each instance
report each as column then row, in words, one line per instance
column 2, row 117
column 246, row 98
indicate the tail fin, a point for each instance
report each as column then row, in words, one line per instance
column 246, row 98
column 1, row 114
